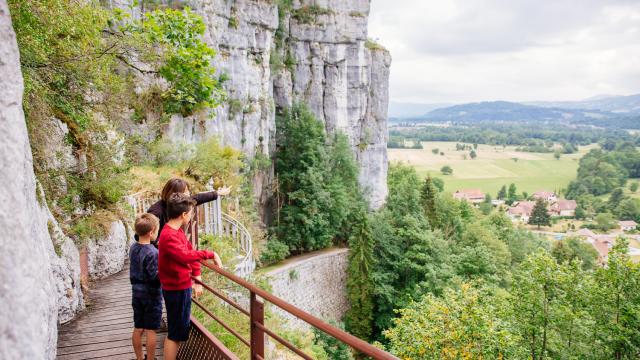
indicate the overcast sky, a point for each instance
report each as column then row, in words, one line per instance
column 520, row 50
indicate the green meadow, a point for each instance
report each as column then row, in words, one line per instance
column 494, row 166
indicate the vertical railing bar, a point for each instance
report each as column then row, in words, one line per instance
column 257, row 334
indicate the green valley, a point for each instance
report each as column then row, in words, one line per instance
column 494, row 166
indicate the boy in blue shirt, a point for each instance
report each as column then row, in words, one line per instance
column 145, row 285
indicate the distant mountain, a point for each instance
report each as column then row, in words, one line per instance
column 615, row 104
column 512, row 112
column 407, row 110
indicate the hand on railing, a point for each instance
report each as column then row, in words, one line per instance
column 223, row 191
column 216, row 261
column 197, row 288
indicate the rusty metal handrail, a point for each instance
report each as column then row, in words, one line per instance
column 258, row 328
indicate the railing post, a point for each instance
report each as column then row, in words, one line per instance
column 257, row 334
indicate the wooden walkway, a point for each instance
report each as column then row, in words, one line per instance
column 103, row 331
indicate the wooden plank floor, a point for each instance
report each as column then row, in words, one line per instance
column 103, row 331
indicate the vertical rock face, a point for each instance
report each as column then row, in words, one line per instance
column 28, row 313
column 343, row 81
column 319, row 56
column 106, row 256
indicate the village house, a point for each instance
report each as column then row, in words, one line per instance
column 602, row 244
column 565, row 208
column 474, row 196
column 521, row 211
column 627, row 225
column 548, row 196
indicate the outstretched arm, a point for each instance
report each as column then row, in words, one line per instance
column 206, row 197
column 179, row 251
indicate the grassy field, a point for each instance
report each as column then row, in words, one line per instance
column 495, row 166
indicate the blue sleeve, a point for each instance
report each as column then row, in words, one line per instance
column 151, row 267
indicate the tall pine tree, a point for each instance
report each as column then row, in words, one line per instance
column 360, row 286
column 539, row 214
column 428, row 197
column 502, row 194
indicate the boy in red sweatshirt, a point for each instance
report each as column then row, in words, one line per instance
column 177, row 262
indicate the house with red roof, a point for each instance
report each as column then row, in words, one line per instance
column 627, row 225
column 563, row 207
column 602, row 244
column 473, row 196
column 521, row 211
column 548, row 196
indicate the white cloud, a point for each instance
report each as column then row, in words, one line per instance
column 471, row 50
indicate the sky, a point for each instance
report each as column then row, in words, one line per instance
column 455, row 51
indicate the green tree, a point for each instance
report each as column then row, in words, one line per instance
column 605, row 221
column 446, row 170
column 486, row 206
column 480, row 254
column 463, row 324
column 615, row 306
column 539, row 214
column 535, row 297
column 360, row 286
column 186, row 59
column 342, row 184
column 502, row 193
column 633, row 187
column 333, row 348
column 628, row 209
column 557, row 154
column 617, row 195
column 435, row 151
column 438, row 184
column 513, row 194
column 599, row 172
column 410, row 259
column 573, row 249
column 473, row 154
column 301, row 159
column 428, row 197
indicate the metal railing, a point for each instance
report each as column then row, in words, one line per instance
column 258, row 330
column 202, row 345
column 255, row 314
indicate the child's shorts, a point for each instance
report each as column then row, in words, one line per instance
column 147, row 312
column 178, row 304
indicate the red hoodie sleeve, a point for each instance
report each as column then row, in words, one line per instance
column 179, row 252
column 196, row 269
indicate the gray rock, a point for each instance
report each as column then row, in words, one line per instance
column 106, row 256
column 65, row 267
column 343, row 82
column 28, row 315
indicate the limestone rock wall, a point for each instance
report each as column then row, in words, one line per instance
column 28, row 315
column 322, row 60
column 315, row 283
column 64, row 258
column 106, row 255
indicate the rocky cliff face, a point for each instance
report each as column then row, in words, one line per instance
column 28, row 313
column 315, row 52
